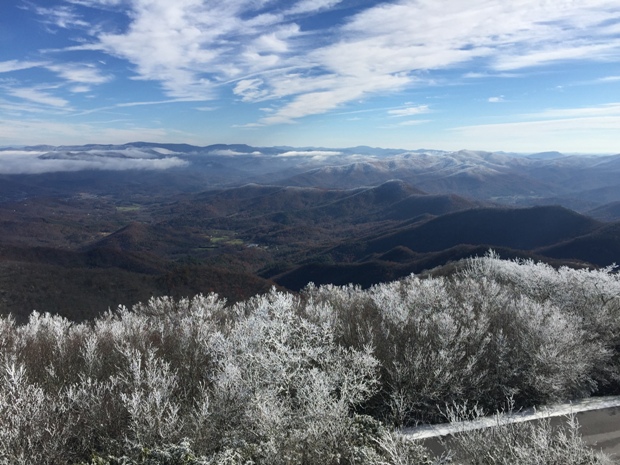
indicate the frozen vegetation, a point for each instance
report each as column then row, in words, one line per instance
column 324, row 377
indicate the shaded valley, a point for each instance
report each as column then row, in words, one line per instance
column 238, row 220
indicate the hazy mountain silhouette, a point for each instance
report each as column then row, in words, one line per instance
column 608, row 212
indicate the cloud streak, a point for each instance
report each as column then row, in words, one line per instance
column 261, row 50
column 39, row 96
column 385, row 47
column 80, row 73
column 574, row 127
column 63, row 17
column 41, row 131
column 409, row 111
column 18, row 65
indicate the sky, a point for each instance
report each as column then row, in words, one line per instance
column 517, row 76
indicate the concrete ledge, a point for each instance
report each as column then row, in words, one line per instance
column 578, row 406
column 598, row 417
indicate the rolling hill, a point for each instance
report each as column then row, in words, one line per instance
column 236, row 219
column 518, row 228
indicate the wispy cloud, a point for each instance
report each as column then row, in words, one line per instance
column 134, row 104
column 380, row 49
column 609, row 79
column 79, row 78
column 18, row 65
column 39, row 96
column 80, row 89
column 80, row 73
column 497, row 99
column 62, row 16
column 97, row 3
column 413, row 122
column 154, row 102
column 607, row 50
column 20, row 108
column 587, row 129
column 409, row 111
column 205, row 108
column 264, row 52
column 191, row 46
column 40, row 131
column 307, row 6
column 487, row 74
column 608, row 109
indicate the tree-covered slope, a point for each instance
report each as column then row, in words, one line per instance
column 317, row 377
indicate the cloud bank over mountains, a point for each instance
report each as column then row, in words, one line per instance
column 40, row 161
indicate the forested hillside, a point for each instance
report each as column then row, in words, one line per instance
column 88, row 251
column 321, row 377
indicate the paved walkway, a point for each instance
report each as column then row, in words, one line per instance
column 601, row 429
column 598, row 417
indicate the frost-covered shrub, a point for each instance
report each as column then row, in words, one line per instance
column 472, row 336
column 399, row 450
column 591, row 297
column 302, row 379
column 43, row 343
column 285, row 389
column 175, row 454
column 24, row 436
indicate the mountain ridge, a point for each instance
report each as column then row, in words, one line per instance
column 229, row 218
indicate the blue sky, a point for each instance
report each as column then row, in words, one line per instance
column 519, row 75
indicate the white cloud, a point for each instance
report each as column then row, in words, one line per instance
column 229, row 152
column 608, row 109
column 413, row 122
column 498, row 99
column 307, row 6
column 39, row 96
column 97, row 3
column 477, row 75
column 194, row 48
column 23, row 162
column 80, row 76
column 191, row 46
column 275, row 41
column 61, row 16
column 17, row 65
column 166, row 42
column 409, row 111
column 80, row 73
column 20, row 108
column 250, row 90
column 587, row 130
column 608, row 50
column 155, row 102
column 380, row 48
column 348, row 89
column 309, row 153
column 80, row 89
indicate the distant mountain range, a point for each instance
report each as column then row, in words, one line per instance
column 85, row 228
column 582, row 183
